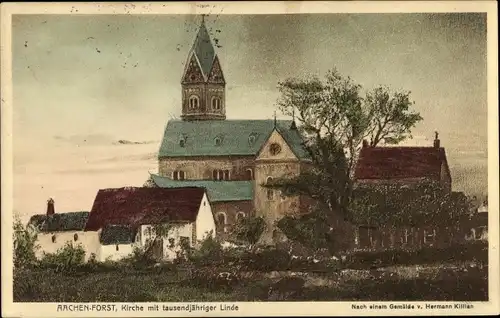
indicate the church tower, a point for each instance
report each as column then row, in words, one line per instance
column 203, row 84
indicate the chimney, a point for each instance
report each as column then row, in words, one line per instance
column 437, row 142
column 293, row 126
column 365, row 143
column 50, row 207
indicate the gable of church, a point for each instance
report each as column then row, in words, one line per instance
column 276, row 148
column 193, row 73
column 216, row 76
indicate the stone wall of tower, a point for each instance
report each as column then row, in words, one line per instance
column 275, row 207
column 193, row 89
column 215, row 91
column 205, row 93
column 201, row 168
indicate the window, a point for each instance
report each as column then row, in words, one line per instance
column 429, row 236
column 216, row 103
column 270, row 192
column 147, row 233
column 251, row 139
column 221, row 175
column 218, row 141
column 182, row 142
column 249, row 174
column 221, row 221
column 53, row 238
column 117, row 248
column 75, row 237
column 404, row 237
column 171, row 242
column 480, row 233
column 178, row 175
column 240, row 215
column 193, row 102
column 184, row 241
column 274, row 149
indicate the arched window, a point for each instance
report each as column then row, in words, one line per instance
column 194, row 102
column 270, row 192
column 240, row 215
column 53, row 238
column 249, row 174
column 221, row 221
column 75, row 237
column 178, row 175
column 216, row 103
column 221, row 175
column 117, row 248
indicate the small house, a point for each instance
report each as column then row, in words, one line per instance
column 55, row 230
column 130, row 216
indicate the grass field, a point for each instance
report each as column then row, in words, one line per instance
column 175, row 284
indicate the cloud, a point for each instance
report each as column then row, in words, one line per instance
column 128, row 142
column 86, row 140
column 98, row 140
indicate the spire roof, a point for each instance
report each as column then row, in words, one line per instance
column 203, row 49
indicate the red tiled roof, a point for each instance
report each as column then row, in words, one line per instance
column 136, row 206
column 400, row 162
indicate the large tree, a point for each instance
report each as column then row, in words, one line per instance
column 334, row 118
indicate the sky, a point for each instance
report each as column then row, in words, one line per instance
column 81, row 83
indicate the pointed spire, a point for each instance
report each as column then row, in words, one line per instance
column 203, row 49
column 274, row 119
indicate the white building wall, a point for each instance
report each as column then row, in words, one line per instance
column 178, row 231
column 205, row 222
column 170, row 248
column 115, row 252
column 88, row 240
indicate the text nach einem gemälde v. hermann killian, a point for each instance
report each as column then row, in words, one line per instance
column 412, row 306
column 146, row 308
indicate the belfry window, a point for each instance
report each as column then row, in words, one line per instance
column 178, row 175
column 194, row 102
column 216, row 103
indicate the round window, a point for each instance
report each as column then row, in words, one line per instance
column 274, row 149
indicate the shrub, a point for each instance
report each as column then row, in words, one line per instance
column 212, row 278
column 67, row 258
column 477, row 251
column 249, row 229
column 209, row 252
column 24, row 245
column 140, row 257
column 265, row 259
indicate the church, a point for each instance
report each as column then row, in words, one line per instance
column 231, row 159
